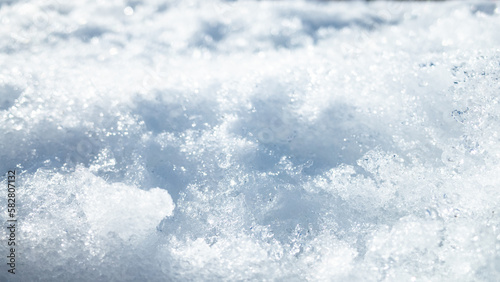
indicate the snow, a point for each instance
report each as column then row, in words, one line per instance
column 251, row 140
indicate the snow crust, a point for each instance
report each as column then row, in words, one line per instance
column 248, row 140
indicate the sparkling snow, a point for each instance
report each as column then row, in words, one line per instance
column 192, row 140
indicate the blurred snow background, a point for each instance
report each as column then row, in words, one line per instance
column 248, row 140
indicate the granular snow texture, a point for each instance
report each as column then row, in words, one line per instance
column 250, row 140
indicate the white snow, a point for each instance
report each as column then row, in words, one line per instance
column 251, row 140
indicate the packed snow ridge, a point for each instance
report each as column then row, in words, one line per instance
column 251, row 140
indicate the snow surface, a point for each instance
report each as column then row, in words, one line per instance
column 244, row 140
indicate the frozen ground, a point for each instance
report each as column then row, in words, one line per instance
column 286, row 141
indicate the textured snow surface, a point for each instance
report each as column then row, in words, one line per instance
column 224, row 141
